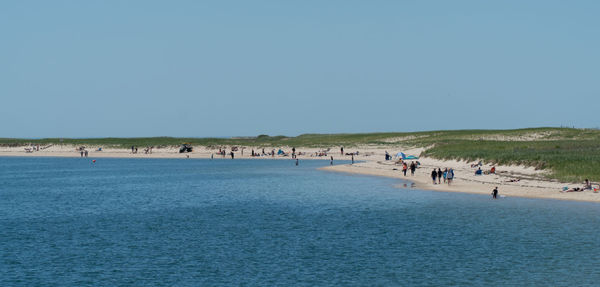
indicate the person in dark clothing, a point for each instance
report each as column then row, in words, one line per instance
column 434, row 175
column 495, row 193
column 352, row 158
column 331, row 163
column 342, row 150
column 231, row 155
column 439, row 175
column 413, row 167
column 296, row 161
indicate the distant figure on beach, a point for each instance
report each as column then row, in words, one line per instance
column 404, row 168
column 387, row 155
column 587, row 184
column 495, row 193
column 352, row 158
column 135, row 149
column 132, row 148
column 296, row 162
column 342, row 150
column 439, row 175
column 434, row 176
column 212, row 155
column 81, row 153
column 86, row 153
column 445, row 174
column 478, row 171
column 450, row 176
column 231, row 155
column 413, row 167
column 331, row 162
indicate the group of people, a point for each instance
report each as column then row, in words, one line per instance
column 587, row 185
column 447, row 174
column 481, row 172
column 412, row 167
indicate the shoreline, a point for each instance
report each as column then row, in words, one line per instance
column 534, row 189
column 530, row 183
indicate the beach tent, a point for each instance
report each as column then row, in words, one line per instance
column 280, row 152
column 406, row 157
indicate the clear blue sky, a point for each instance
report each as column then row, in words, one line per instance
column 232, row 68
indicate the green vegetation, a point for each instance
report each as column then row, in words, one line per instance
column 568, row 154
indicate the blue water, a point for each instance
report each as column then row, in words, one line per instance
column 178, row 222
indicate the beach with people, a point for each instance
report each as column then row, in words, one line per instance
column 450, row 175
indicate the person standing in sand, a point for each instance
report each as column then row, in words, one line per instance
column 495, row 193
column 352, row 158
column 450, row 176
column 439, row 175
column 413, row 167
column 404, row 168
column 445, row 174
column 434, row 175
column 331, row 163
column 342, row 150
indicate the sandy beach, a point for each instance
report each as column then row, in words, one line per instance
column 369, row 161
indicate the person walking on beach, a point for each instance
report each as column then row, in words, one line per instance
column 434, row 175
column 231, row 155
column 86, row 153
column 439, row 175
column 132, row 148
column 352, row 158
column 342, row 150
column 445, row 174
column 413, row 166
column 495, row 193
column 331, row 162
column 450, row 176
column 404, row 168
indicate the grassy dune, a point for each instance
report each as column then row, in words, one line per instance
column 568, row 154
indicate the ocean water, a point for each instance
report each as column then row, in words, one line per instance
column 184, row 222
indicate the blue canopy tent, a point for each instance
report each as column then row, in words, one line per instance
column 406, row 157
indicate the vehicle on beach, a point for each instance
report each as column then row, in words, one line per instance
column 185, row 148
